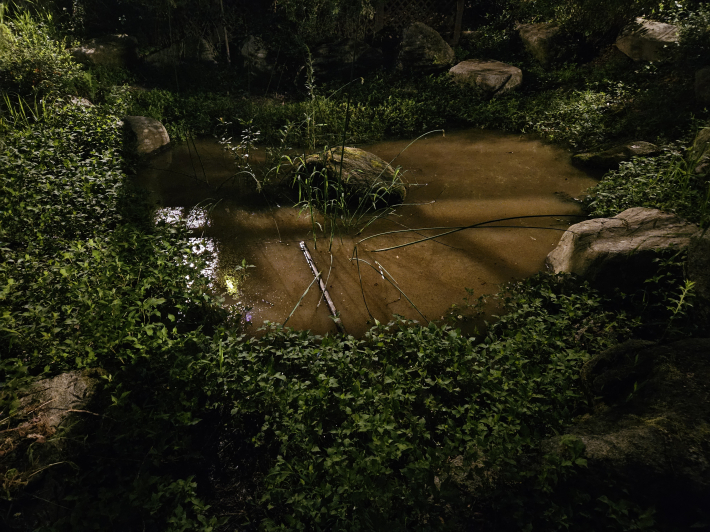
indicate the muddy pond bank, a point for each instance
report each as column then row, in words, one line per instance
column 464, row 178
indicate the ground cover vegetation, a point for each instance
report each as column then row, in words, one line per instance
column 198, row 427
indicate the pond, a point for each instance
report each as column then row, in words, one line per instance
column 459, row 179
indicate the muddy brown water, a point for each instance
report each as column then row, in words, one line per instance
column 461, row 179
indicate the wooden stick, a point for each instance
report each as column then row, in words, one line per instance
column 323, row 288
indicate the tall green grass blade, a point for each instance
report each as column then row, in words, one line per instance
column 315, row 278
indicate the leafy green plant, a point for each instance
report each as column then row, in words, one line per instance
column 235, row 282
column 241, row 154
column 85, row 281
column 357, row 431
column 667, row 182
column 680, row 304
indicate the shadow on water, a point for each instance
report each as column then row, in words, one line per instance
column 463, row 178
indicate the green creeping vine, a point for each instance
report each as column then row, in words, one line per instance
column 392, row 430
column 668, row 182
column 87, row 282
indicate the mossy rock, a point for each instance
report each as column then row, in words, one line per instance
column 424, row 51
column 364, row 175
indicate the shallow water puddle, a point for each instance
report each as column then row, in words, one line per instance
column 464, row 178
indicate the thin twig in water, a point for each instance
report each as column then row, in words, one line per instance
column 452, row 230
column 362, row 290
column 493, row 227
column 420, row 234
column 277, row 226
column 391, row 281
column 323, row 287
column 199, row 158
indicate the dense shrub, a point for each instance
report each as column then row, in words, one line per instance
column 34, row 62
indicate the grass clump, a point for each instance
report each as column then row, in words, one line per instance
column 34, row 62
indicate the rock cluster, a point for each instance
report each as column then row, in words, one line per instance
column 256, row 57
column 37, row 444
column 610, row 158
column 618, row 251
column 339, row 59
column 539, row 40
column 651, row 428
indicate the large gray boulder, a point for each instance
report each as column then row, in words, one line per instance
column 645, row 40
column 610, row 158
column 339, row 59
column 618, row 251
column 256, row 57
column 539, row 40
column 192, row 49
column 424, row 50
column 650, row 433
column 492, row 77
column 364, row 174
column 150, row 134
column 115, row 51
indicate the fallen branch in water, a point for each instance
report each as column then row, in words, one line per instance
column 323, row 288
